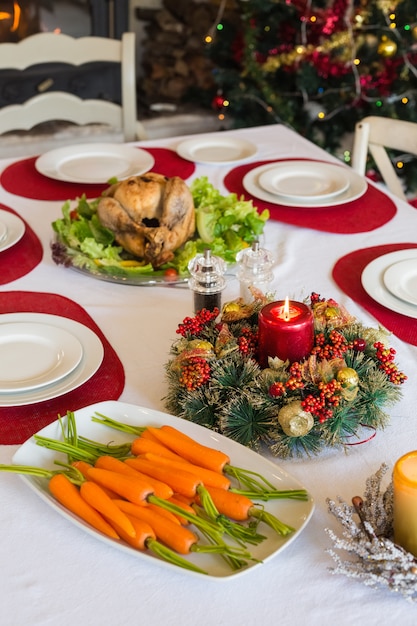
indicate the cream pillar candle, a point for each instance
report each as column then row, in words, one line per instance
column 404, row 480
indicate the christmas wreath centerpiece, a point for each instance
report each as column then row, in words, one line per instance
column 343, row 385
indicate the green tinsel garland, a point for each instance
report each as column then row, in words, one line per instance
column 293, row 409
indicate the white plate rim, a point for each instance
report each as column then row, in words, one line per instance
column 372, row 279
column 93, row 353
column 339, row 174
column 392, row 280
column 69, row 345
column 31, row 454
column 357, row 187
column 48, row 163
column 188, row 149
column 3, row 230
column 15, row 229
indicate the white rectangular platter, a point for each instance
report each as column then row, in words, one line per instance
column 293, row 512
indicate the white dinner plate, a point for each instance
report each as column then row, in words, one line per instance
column 3, row 231
column 306, row 181
column 15, row 229
column 401, row 280
column 357, row 187
column 293, row 512
column 34, row 355
column 91, row 359
column 94, row 163
column 373, row 282
column 216, row 149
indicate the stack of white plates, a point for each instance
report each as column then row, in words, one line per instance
column 391, row 280
column 12, row 229
column 44, row 356
column 304, row 184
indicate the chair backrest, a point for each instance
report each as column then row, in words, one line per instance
column 375, row 134
column 59, row 105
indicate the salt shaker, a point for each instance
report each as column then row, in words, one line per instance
column 255, row 270
column 207, row 280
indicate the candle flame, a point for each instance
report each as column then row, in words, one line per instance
column 286, row 310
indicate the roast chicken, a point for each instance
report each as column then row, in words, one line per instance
column 150, row 215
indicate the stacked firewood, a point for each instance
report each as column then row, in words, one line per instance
column 173, row 54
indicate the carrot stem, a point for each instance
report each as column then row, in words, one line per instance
column 169, row 555
column 246, row 534
column 112, row 423
column 280, row 527
column 72, row 451
column 259, row 487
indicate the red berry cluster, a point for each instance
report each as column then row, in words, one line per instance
column 276, row 390
column 195, row 372
column 295, row 379
column 386, row 358
column 335, row 347
column 315, row 298
column 194, row 325
column 322, row 405
column 248, row 341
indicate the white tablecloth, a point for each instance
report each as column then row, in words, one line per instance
column 53, row 573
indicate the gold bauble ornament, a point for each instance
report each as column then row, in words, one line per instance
column 200, row 344
column 387, row 47
column 294, row 421
column 349, row 379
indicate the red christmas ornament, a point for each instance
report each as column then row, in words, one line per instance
column 218, row 102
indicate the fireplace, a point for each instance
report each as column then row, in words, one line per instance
column 22, row 18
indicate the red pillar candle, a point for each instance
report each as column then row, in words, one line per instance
column 286, row 330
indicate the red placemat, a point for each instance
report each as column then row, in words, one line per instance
column 370, row 211
column 169, row 163
column 347, row 274
column 19, row 423
column 22, row 179
column 21, row 258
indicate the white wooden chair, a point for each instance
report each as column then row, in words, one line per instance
column 59, row 105
column 375, row 134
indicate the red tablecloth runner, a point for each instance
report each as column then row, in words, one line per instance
column 21, row 258
column 18, row 423
column 22, row 179
column 370, row 211
column 347, row 274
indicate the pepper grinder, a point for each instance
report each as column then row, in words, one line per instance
column 207, row 280
column 255, row 270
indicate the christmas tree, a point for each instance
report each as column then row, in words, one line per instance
column 318, row 66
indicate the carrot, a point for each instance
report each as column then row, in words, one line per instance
column 240, row 508
column 183, row 505
column 141, row 445
column 146, row 434
column 234, row 505
column 164, row 513
column 108, row 462
column 96, row 497
column 208, row 477
column 180, row 480
column 143, row 532
column 173, row 535
column 82, row 466
column 68, row 495
column 129, row 487
column 146, row 539
column 190, row 449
